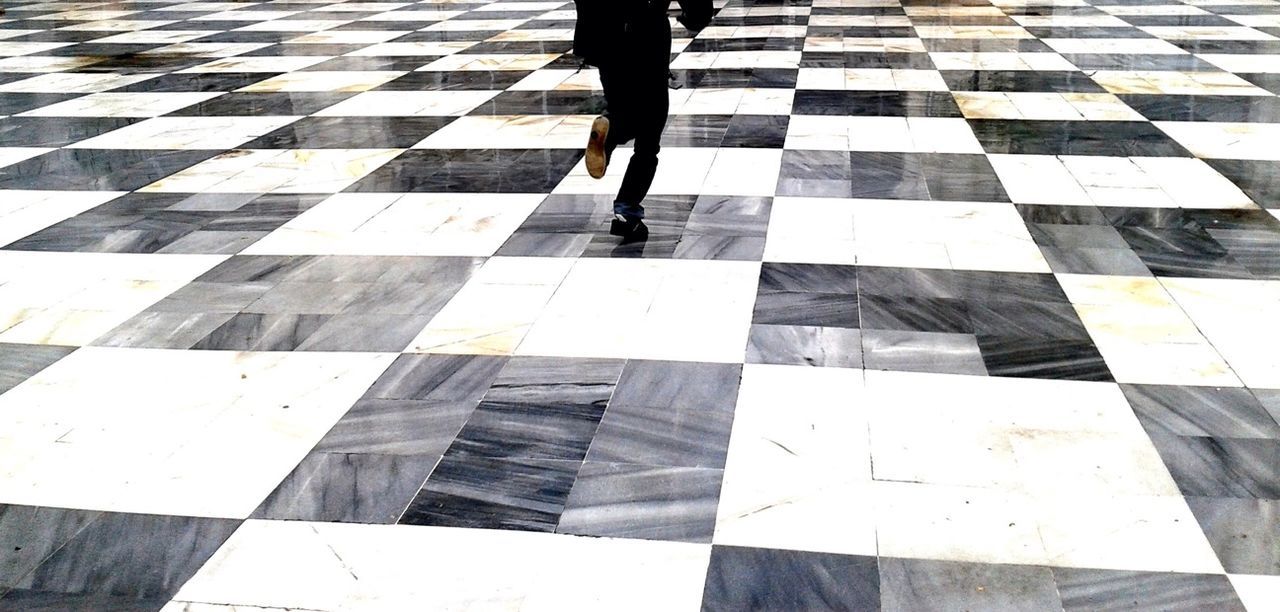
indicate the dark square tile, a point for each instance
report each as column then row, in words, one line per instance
column 920, row 584
column 348, row 488
column 14, row 103
column 1244, row 532
column 132, row 556
column 53, row 131
column 437, row 377
column 262, row 332
column 1021, row 80
column 98, row 169
column 875, row 103
column 765, row 579
column 479, row 80
column 646, row 502
column 668, row 384
column 1090, row 589
column 486, row 493
column 805, row 345
column 528, row 431
column 805, row 308
column 943, row 315
column 1201, row 411
column 1260, row 180
column 19, row 362
column 559, row 381
column 253, row 104
column 29, row 535
column 1221, row 467
column 350, row 133
column 1110, row 138
column 374, row 333
column 679, row 435
column 488, row 171
column 913, row 351
column 1053, row 358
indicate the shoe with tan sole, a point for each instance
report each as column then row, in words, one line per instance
column 597, row 156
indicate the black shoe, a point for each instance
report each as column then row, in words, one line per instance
column 630, row 228
column 597, row 155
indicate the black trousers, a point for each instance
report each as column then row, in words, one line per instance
column 635, row 93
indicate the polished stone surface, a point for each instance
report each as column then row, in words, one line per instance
column 945, row 305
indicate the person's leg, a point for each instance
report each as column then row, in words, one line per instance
column 650, row 119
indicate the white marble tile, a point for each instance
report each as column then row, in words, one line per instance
column 1150, row 533
column 187, row 133
column 71, row 82
column 25, row 212
column 318, row 80
column 291, row 171
column 335, row 566
column 274, row 64
column 666, row 318
column 409, row 104
column 420, row 224
column 1226, row 140
column 1235, row 316
column 150, row 429
column 1258, row 593
column 511, row 132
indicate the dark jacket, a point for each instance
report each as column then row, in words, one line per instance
column 606, row 27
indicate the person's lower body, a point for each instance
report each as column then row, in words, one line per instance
column 636, row 102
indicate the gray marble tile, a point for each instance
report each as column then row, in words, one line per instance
column 397, row 427
column 212, row 297
column 26, row 600
column 765, row 579
column 922, row 352
column 494, row 493
column 215, row 202
column 19, row 362
column 28, row 535
column 1084, row 260
column 308, row 298
column 711, row 386
column 399, row 298
column 377, row 333
column 136, row 556
column 1027, row 319
column 348, row 488
column 719, row 248
column 837, row 347
column 214, row 242
column 545, row 244
column 1270, row 399
column 806, row 308
column 257, row 269
column 1244, row 532
column 437, row 377
column 1201, row 411
column 530, row 431
column 918, row 585
column 641, row 501
column 262, row 332
column 1072, row 236
column 808, row 278
column 556, row 380
column 171, row 330
column 678, row 435
column 1097, row 590
column 1222, row 467
column 443, row 274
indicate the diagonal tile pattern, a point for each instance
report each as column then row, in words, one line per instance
column 946, row 304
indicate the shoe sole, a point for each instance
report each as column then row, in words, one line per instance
column 597, row 161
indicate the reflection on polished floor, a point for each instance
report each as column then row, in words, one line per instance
column 946, row 304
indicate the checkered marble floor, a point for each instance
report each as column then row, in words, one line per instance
column 947, row 304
